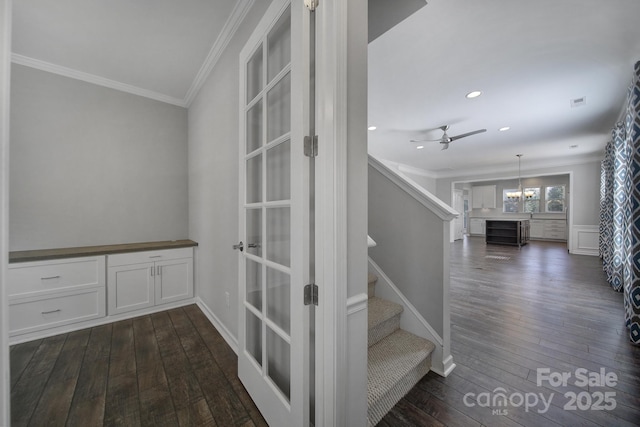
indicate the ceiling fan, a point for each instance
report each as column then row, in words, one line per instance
column 445, row 140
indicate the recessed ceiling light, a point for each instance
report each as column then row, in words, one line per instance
column 474, row 94
column 419, row 147
column 573, row 146
column 372, row 128
column 502, row 129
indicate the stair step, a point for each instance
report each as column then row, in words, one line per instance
column 395, row 365
column 384, row 319
column 372, row 279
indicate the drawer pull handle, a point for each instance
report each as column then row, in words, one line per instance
column 50, row 277
column 51, row 312
column 156, row 256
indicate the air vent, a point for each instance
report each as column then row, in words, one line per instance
column 578, row 102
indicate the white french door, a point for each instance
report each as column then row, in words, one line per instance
column 273, row 343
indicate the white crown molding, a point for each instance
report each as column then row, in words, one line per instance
column 230, row 27
column 91, row 78
column 536, row 165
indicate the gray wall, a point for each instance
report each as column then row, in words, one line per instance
column 585, row 186
column 405, row 232
column 213, row 178
column 92, row 165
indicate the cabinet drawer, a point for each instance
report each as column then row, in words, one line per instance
column 149, row 256
column 33, row 314
column 555, row 235
column 47, row 276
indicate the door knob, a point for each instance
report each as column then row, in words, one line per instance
column 239, row 246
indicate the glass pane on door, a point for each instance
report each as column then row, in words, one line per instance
column 254, row 337
column 254, row 128
column 279, row 362
column 279, row 172
column 254, row 179
column 278, row 298
column 278, row 236
column 279, row 109
column 254, row 232
column 255, row 75
column 254, row 284
column 279, row 46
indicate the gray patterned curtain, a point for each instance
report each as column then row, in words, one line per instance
column 620, row 209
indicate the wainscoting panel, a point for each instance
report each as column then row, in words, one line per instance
column 584, row 240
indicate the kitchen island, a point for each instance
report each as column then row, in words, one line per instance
column 507, row 232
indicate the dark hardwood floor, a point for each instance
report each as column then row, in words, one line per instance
column 166, row 369
column 513, row 312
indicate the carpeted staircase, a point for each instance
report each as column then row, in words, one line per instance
column 397, row 358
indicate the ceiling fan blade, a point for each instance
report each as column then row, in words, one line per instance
column 425, row 140
column 464, row 135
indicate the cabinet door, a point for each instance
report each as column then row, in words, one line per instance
column 130, row 287
column 476, row 226
column 174, row 280
column 477, row 196
column 537, row 229
column 489, row 197
column 484, row 197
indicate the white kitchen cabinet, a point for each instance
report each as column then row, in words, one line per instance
column 52, row 293
column 537, row 228
column 483, row 197
column 477, row 226
column 145, row 279
column 555, row 229
column 549, row 229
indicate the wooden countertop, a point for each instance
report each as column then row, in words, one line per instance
column 47, row 254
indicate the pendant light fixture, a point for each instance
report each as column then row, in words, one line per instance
column 515, row 195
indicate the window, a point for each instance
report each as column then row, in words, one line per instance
column 510, row 201
column 554, row 198
column 532, row 199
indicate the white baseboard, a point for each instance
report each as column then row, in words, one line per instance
column 445, row 368
column 226, row 334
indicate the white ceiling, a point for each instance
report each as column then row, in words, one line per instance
column 530, row 59
column 154, row 47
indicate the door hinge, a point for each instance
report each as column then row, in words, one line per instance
column 311, row 294
column 311, row 4
column 311, row 146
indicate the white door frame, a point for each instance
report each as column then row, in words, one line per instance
column 457, row 231
column 5, row 71
column 339, row 108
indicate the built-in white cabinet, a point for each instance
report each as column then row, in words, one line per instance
column 537, row 228
column 477, row 226
column 139, row 280
column 483, row 197
column 549, row 229
column 53, row 293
